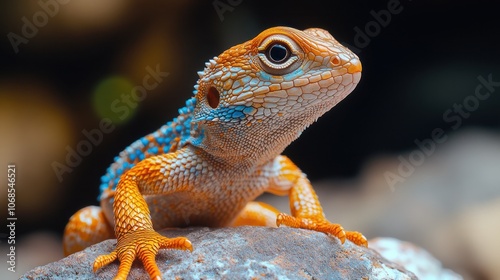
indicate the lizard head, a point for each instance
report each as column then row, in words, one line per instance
column 266, row 91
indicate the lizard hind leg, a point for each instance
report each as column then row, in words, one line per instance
column 307, row 213
column 306, row 210
column 86, row 227
column 256, row 214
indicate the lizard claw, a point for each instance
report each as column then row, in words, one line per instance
column 144, row 245
column 322, row 226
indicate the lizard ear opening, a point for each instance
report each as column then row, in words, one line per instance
column 213, row 97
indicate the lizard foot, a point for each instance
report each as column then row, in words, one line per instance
column 322, row 226
column 144, row 245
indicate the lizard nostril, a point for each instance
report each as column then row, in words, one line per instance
column 213, row 97
column 335, row 61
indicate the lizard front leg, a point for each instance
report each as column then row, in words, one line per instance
column 133, row 225
column 305, row 208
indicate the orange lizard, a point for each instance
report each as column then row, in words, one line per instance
column 223, row 150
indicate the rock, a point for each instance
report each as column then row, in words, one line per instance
column 413, row 258
column 32, row 250
column 449, row 204
column 240, row 253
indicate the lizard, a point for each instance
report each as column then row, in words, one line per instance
column 223, row 150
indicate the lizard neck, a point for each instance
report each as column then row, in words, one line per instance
column 238, row 145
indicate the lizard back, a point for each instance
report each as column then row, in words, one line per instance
column 167, row 138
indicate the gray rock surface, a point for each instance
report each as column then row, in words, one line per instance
column 240, row 253
column 413, row 258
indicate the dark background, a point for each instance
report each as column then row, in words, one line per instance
column 427, row 58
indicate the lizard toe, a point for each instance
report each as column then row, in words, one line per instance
column 319, row 225
column 144, row 245
column 357, row 238
column 104, row 260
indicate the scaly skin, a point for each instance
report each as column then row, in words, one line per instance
column 223, row 150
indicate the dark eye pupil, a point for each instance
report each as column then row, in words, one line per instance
column 277, row 53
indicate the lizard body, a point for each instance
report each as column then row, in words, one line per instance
column 223, row 150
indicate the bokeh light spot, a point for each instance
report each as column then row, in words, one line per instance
column 112, row 99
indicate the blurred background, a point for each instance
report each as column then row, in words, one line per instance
column 429, row 68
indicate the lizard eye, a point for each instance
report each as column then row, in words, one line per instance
column 279, row 55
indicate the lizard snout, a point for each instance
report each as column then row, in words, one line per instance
column 355, row 66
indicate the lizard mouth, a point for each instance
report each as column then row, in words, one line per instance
column 356, row 77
